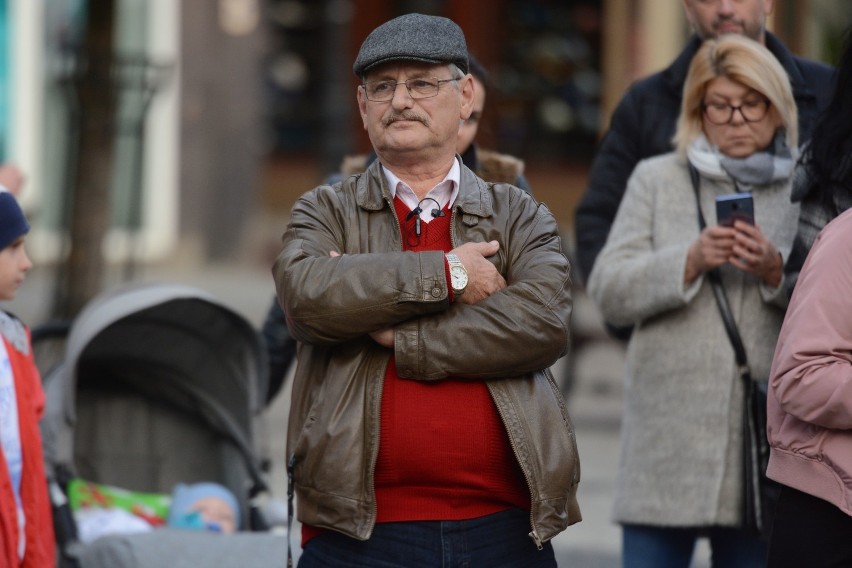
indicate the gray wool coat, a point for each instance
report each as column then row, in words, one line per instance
column 683, row 400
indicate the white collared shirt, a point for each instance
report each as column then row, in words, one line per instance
column 444, row 193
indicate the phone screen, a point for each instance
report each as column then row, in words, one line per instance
column 736, row 206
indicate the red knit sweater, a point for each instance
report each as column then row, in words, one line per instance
column 443, row 453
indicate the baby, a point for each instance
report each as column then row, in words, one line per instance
column 204, row 506
column 101, row 510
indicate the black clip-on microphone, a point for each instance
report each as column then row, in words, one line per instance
column 415, row 213
column 435, row 212
column 418, row 210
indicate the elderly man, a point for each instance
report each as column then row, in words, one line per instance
column 487, row 164
column 425, row 428
column 644, row 121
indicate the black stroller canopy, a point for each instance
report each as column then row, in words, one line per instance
column 173, row 344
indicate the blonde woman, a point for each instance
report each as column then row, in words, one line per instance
column 680, row 475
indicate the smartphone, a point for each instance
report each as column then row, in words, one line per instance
column 735, row 206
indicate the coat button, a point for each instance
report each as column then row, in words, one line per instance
column 436, row 292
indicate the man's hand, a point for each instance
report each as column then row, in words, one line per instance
column 482, row 276
column 383, row 337
column 482, row 280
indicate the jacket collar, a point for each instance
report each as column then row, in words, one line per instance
column 474, row 198
column 14, row 332
column 470, row 157
column 788, row 62
column 675, row 74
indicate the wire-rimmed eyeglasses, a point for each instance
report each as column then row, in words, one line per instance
column 722, row 113
column 383, row 91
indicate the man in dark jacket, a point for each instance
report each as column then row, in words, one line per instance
column 643, row 124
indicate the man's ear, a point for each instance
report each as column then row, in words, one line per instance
column 687, row 10
column 467, row 88
column 362, row 105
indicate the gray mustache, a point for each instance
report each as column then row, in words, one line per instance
column 405, row 116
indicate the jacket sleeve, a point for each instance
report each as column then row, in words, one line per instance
column 329, row 299
column 811, row 374
column 280, row 347
column 636, row 278
column 614, row 161
column 521, row 329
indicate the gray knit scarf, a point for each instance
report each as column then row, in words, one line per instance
column 760, row 168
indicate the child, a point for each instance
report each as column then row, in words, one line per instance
column 26, row 524
column 204, row 506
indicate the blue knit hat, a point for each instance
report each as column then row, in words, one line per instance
column 413, row 37
column 185, row 496
column 13, row 224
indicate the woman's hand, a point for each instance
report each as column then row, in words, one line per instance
column 743, row 246
column 753, row 253
column 712, row 248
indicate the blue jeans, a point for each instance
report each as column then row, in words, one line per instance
column 498, row 541
column 647, row 546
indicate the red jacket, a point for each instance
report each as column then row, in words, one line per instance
column 40, row 541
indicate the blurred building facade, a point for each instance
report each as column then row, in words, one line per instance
column 230, row 107
column 557, row 69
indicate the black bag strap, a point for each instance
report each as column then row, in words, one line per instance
column 719, row 291
column 291, row 494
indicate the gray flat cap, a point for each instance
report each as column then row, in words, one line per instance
column 413, row 37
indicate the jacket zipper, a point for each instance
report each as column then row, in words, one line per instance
column 374, row 459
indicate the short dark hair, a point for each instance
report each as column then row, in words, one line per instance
column 477, row 70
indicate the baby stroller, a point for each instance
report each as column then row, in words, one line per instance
column 160, row 384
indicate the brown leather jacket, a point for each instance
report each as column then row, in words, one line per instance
column 508, row 340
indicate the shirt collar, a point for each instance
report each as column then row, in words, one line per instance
column 444, row 193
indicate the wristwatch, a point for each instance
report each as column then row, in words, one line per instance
column 458, row 274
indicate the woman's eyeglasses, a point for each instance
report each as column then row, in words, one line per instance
column 723, row 113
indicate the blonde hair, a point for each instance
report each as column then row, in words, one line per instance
column 747, row 62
